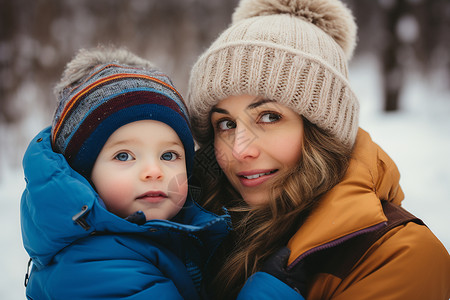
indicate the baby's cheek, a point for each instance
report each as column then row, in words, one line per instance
column 178, row 189
column 113, row 192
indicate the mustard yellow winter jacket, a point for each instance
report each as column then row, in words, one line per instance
column 408, row 262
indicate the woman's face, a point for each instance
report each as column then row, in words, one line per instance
column 256, row 141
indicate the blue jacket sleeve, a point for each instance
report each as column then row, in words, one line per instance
column 264, row 286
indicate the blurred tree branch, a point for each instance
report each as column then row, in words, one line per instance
column 38, row 37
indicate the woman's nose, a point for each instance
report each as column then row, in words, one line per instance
column 245, row 144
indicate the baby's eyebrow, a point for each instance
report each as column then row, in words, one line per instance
column 121, row 142
column 173, row 143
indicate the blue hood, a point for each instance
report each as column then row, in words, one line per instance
column 55, row 193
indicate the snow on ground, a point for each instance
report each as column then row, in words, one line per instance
column 417, row 138
column 13, row 258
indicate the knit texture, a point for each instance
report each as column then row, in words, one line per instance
column 281, row 50
column 110, row 96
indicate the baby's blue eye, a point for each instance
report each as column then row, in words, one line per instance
column 169, row 156
column 123, row 156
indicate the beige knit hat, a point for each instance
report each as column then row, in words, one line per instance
column 292, row 51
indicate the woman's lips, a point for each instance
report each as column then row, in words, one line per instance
column 152, row 196
column 255, row 177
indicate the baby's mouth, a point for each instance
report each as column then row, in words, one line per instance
column 152, row 194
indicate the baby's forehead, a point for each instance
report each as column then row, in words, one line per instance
column 146, row 132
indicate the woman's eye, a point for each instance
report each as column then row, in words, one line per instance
column 226, row 125
column 269, row 117
column 169, row 156
column 123, row 156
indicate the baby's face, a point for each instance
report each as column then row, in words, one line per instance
column 142, row 166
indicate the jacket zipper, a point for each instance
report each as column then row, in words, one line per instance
column 80, row 218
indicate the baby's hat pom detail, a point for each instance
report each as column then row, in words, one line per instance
column 331, row 16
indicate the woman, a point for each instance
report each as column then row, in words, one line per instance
column 271, row 105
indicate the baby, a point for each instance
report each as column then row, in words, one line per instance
column 107, row 212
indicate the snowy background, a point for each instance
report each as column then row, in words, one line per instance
column 417, row 136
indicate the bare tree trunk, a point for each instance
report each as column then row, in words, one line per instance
column 392, row 78
column 7, row 27
column 392, row 69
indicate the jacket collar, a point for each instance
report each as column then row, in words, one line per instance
column 352, row 206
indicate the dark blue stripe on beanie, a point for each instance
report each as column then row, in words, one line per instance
column 97, row 105
column 84, row 159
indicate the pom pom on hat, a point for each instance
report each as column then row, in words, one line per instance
column 332, row 16
column 87, row 59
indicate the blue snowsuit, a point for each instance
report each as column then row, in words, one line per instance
column 82, row 251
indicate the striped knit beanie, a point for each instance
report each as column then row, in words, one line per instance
column 292, row 51
column 108, row 97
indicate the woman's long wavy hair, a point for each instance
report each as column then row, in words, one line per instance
column 259, row 232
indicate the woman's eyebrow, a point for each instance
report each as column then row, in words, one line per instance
column 259, row 103
column 250, row 106
column 219, row 110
